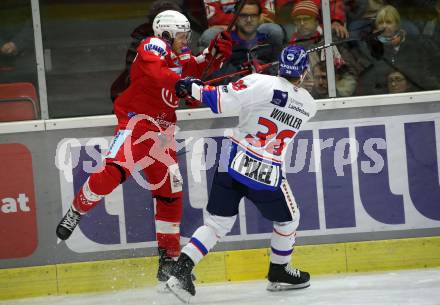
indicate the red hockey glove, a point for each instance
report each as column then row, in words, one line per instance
column 221, row 46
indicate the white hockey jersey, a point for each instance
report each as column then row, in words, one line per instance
column 271, row 112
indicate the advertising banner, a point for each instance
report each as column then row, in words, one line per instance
column 18, row 223
column 348, row 176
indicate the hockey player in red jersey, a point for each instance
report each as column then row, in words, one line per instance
column 144, row 137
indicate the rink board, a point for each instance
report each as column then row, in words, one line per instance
column 366, row 179
column 240, row 265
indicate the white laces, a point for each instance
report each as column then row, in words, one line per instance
column 71, row 220
column 292, row 271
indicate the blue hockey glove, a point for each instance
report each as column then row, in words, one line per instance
column 183, row 86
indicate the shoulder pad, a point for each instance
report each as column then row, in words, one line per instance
column 156, row 46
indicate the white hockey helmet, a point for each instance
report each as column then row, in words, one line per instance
column 168, row 23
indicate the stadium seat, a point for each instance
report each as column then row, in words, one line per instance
column 18, row 102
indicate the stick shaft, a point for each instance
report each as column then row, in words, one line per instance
column 268, row 65
column 229, row 28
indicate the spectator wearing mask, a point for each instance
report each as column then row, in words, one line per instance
column 415, row 57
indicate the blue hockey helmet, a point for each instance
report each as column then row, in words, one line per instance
column 294, row 61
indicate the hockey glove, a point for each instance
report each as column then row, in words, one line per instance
column 221, row 46
column 183, row 86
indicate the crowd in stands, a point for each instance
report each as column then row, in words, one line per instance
column 387, row 51
column 17, row 55
column 389, row 46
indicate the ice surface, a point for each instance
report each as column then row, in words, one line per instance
column 410, row 287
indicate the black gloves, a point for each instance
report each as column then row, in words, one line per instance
column 183, row 86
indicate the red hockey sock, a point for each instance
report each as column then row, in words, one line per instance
column 168, row 215
column 169, row 242
column 96, row 187
column 85, row 199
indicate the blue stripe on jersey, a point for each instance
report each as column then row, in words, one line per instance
column 211, row 98
column 281, row 252
column 198, row 244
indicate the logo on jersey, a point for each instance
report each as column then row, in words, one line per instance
column 168, row 98
column 279, row 98
column 299, row 109
column 155, row 49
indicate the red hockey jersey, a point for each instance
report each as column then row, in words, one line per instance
column 153, row 75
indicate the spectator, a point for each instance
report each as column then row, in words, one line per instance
column 309, row 34
column 245, row 37
column 220, row 14
column 17, row 53
column 346, row 82
column 337, row 15
column 415, row 57
column 305, row 16
column 397, row 83
column 361, row 15
column 432, row 27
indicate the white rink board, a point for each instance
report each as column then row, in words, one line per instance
column 410, row 287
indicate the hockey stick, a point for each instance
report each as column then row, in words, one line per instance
column 228, row 29
column 255, row 67
column 328, row 45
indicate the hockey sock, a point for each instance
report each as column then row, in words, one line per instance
column 206, row 236
column 97, row 186
column 202, row 241
column 85, row 199
column 167, row 221
column 282, row 241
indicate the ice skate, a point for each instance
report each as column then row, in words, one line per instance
column 181, row 281
column 166, row 264
column 284, row 277
column 68, row 223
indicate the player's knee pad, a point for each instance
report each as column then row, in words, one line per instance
column 286, row 228
column 169, row 208
column 220, row 224
column 105, row 181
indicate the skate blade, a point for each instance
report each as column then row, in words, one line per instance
column 162, row 287
column 174, row 287
column 285, row 286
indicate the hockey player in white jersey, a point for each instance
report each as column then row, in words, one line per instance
column 272, row 110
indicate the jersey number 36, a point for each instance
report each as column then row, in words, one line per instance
column 272, row 139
